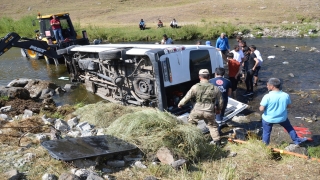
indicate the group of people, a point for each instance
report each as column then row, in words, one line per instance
column 173, row 24
column 211, row 95
column 243, row 62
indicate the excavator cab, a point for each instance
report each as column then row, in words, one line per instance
column 46, row 34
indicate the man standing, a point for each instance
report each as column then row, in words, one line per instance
column 224, row 85
column 56, row 27
column 222, row 44
column 252, row 64
column 234, row 73
column 166, row 40
column 258, row 54
column 274, row 106
column 206, row 95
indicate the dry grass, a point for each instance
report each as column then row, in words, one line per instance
column 128, row 12
column 102, row 114
column 150, row 129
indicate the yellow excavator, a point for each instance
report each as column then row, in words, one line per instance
column 44, row 45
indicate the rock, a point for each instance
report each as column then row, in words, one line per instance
column 74, row 133
column 48, row 120
column 42, row 137
column 19, row 82
column 14, row 92
column 29, row 157
column 291, row 75
column 13, row 174
column 177, row 164
column 73, row 122
column 61, row 125
column 283, row 47
column 68, row 176
column 165, row 155
column 36, row 86
column 59, row 90
column 240, row 133
column 48, row 101
column 93, row 176
column 275, row 45
column 84, row 126
column 5, row 117
column 263, row 8
column 68, row 87
column 46, row 93
column 27, row 113
column 140, row 165
column 100, row 131
column 296, row 149
column 232, row 154
column 5, row 109
column 116, row 163
column 285, row 22
column 49, row 177
column 82, row 173
column 240, row 119
column 285, row 62
column 88, row 133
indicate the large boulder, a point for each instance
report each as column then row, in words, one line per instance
column 14, row 92
column 21, row 82
column 36, row 87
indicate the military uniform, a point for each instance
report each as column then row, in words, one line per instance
column 207, row 96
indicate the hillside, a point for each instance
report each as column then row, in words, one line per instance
column 129, row 12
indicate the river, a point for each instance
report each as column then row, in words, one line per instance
column 295, row 59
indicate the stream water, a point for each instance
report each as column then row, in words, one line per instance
column 295, row 58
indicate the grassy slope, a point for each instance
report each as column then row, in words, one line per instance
column 129, row 12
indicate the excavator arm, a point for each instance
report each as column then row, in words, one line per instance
column 13, row 40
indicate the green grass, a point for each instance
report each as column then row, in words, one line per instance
column 4, row 98
column 205, row 30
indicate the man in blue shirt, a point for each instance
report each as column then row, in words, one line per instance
column 142, row 25
column 222, row 44
column 224, row 85
column 274, row 106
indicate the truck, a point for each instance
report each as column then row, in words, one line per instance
column 44, row 45
column 148, row 75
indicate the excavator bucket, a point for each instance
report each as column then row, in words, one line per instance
column 8, row 41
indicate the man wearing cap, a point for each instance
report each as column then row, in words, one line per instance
column 208, row 101
column 166, row 40
column 208, row 43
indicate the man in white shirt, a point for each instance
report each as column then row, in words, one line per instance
column 174, row 23
column 258, row 54
column 237, row 53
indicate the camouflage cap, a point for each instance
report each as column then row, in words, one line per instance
column 203, row 71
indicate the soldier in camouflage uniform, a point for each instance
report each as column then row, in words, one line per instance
column 208, row 102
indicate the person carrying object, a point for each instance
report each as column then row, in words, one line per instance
column 208, row 102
